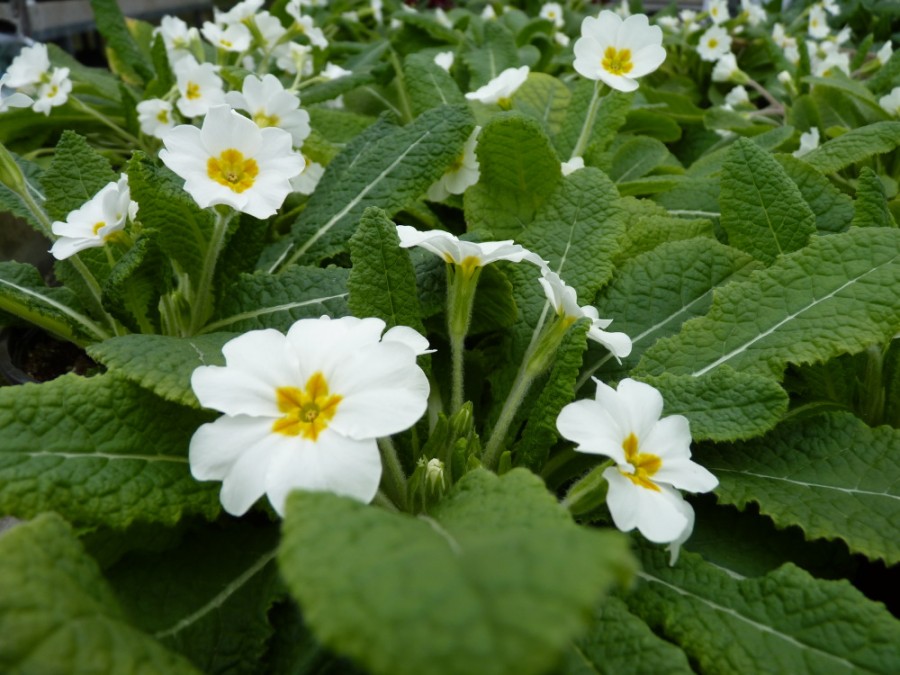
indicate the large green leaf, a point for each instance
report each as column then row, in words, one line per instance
column 871, row 203
column 611, row 113
column 76, row 174
column 100, row 451
column 784, row 622
column 763, row 211
column 854, row 146
column 135, row 284
column 428, row 84
column 833, row 209
column 544, row 98
column 389, row 172
column 382, row 280
column 497, row 580
column 837, row 295
column 831, row 475
column 496, row 53
column 111, row 25
column 58, row 615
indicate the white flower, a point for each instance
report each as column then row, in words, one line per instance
column 155, row 117
column 843, row 35
column 308, row 28
column 623, row 10
column 377, row 10
column 891, row 102
column 737, row 96
column 488, row 13
column 616, row 51
column 831, row 7
column 561, row 38
column 652, row 457
column 726, row 68
column 553, row 12
column 785, row 78
column 444, row 60
column 818, row 22
column 441, row 17
column 332, row 71
column 565, row 302
column 14, row 100
column 462, row 174
column 884, row 54
column 177, row 37
column 714, row 44
column 230, row 160
column 270, row 105
column 718, row 11
column 271, row 31
column 833, row 59
column 52, row 92
column 689, row 19
column 235, row 37
column 305, row 183
column 296, row 58
column 501, row 88
column 671, row 23
column 199, row 86
column 242, row 11
column 28, row 68
column 466, row 254
column 756, row 14
column 96, row 221
column 809, row 141
column 434, row 473
column 572, row 165
column 304, row 410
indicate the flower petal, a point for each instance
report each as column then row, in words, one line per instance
column 591, row 426
column 658, row 515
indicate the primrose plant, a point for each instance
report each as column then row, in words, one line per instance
column 468, row 340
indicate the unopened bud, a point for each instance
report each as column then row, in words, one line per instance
column 10, row 173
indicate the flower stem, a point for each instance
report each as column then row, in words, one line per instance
column 775, row 105
column 461, row 285
column 394, row 475
column 589, row 119
column 96, row 114
column 588, row 492
column 201, row 308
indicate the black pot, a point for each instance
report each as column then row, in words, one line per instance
column 32, row 355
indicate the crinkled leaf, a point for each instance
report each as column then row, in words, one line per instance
column 76, row 174
column 653, row 123
column 476, row 587
column 763, row 211
column 111, row 25
column 837, row 295
column 544, row 98
column 58, row 615
column 262, row 300
column 519, row 171
column 496, row 53
column 871, row 203
column 132, row 291
column 833, row 209
column 382, row 281
column 854, row 146
column 577, row 230
column 100, row 451
column 636, row 157
column 428, row 84
column 831, row 475
column 330, row 90
column 647, row 228
column 786, row 621
column 207, row 598
column 160, row 363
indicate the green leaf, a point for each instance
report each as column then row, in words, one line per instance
column 871, row 203
column 854, row 146
column 611, row 114
column 786, row 621
column 97, row 81
column 833, row 209
column 763, row 211
column 544, row 98
column 208, row 598
column 388, row 172
column 382, row 280
column 160, row 363
column 519, row 169
column 725, row 404
column 496, row 54
column 58, row 615
column 649, row 122
column 619, row 643
column 838, row 295
column 57, row 310
column 475, row 588
column 428, row 84
column 76, row 174
column 111, row 25
column 886, row 76
column 262, row 300
column 649, row 228
column 494, row 305
column 540, row 432
column 132, row 291
column 636, row 157
column 577, row 230
column 330, row 90
column 831, row 475
column 99, row 451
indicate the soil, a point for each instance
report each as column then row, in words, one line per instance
column 39, row 357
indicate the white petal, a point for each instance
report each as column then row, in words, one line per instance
column 670, row 438
column 686, row 475
column 589, row 425
column 246, row 481
column 325, row 345
column 658, row 515
column 216, row 446
column 644, row 405
column 412, row 338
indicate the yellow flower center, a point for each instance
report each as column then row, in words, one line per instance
column 645, row 465
column 225, row 43
column 617, row 61
column 232, row 170
column 162, row 117
column 193, row 91
column 713, row 43
column 54, row 90
column 306, row 411
column 98, row 226
column 263, row 120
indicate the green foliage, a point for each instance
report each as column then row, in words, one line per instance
column 99, row 451
column 496, row 53
column 871, row 203
column 428, row 84
column 475, row 587
column 132, row 290
column 833, row 209
column 111, row 25
column 545, row 99
column 831, row 475
column 76, row 174
column 854, row 146
column 636, row 157
column 611, row 115
column 58, row 615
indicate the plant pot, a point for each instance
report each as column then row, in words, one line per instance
column 31, row 355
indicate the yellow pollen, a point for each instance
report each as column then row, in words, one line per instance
column 263, row 120
column 98, row 226
column 232, row 170
column 713, row 43
column 645, row 465
column 225, row 43
column 54, row 90
column 470, row 264
column 163, row 116
column 193, row 91
column 617, row 61
column 307, row 411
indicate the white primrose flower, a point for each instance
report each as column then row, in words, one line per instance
column 13, row 100
column 756, row 14
column 29, row 68
column 333, row 71
column 689, row 20
column 565, row 302
column 304, row 410
column 652, row 456
column 618, row 51
column 891, row 102
column 462, row 174
column 377, row 10
column 726, row 68
column 199, row 85
column 96, row 221
column 444, row 60
column 242, row 11
column 488, row 13
column 501, row 88
column 307, row 27
column 884, row 54
column 831, row 7
column 305, row 183
column 231, row 161
column 270, row 105
column 52, row 92
column 155, row 117
column 818, row 22
column 553, row 12
column 271, row 31
column 718, row 11
column 441, row 17
column 466, row 254
column 714, row 44
column 234, row 37
column 177, row 37
column 295, row 58
column 737, row 96
column 671, row 23
column 561, row 38
column 623, row 10
column 809, row 141
column 572, row 165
